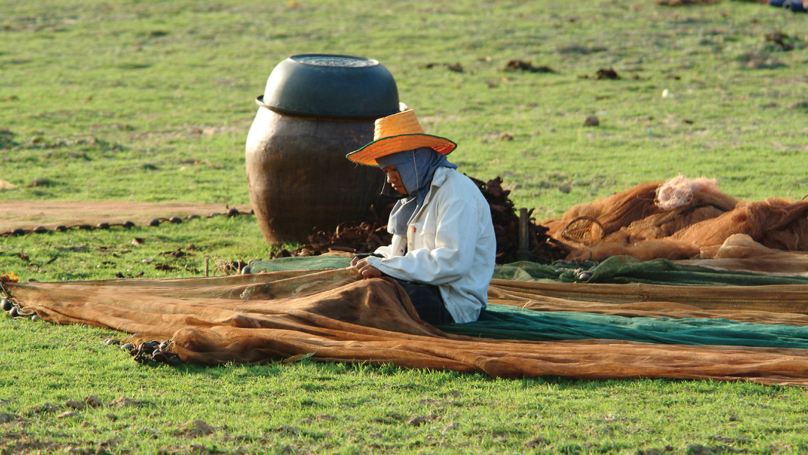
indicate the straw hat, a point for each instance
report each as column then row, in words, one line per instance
column 399, row 133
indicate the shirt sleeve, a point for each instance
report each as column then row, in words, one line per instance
column 396, row 248
column 453, row 255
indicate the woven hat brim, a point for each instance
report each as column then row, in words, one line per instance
column 368, row 154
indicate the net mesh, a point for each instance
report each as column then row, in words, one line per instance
column 678, row 219
column 333, row 316
column 679, row 191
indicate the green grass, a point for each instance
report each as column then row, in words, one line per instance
column 113, row 100
column 341, row 408
column 119, row 99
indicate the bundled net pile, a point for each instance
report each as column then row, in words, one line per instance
column 679, row 219
column 351, row 238
column 332, row 316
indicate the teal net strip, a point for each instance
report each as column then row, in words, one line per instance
column 507, row 322
column 513, row 323
column 626, row 269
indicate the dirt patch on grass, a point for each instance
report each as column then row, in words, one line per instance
column 22, row 214
column 687, row 2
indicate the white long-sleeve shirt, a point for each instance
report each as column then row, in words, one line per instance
column 450, row 243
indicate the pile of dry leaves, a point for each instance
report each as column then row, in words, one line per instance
column 353, row 238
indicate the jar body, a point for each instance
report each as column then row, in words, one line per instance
column 299, row 179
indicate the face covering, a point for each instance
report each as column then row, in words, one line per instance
column 416, row 169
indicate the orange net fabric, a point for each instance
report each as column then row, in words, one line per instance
column 678, row 219
column 778, row 304
column 740, row 252
column 335, row 317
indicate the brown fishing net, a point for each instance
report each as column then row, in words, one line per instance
column 679, row 219
column 332, row 316
column 786, row 304
column 740, row 252
column 335, row 317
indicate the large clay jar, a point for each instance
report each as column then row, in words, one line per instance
column 314, row 111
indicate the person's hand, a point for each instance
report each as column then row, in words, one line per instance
column 364, row 269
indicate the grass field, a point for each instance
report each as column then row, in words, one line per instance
column 146, row 100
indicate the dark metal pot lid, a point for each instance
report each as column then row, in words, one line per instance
column 340, row 86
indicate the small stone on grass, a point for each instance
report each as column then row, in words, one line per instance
column 67, row 414
column 6, row 417
column 201, row 427
column 591, row 120
column 536, row 442
column 416, row 421
column 77, row 405
column 122, row 402
column 93, row 401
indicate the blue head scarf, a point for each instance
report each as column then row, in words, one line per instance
column 416, row 169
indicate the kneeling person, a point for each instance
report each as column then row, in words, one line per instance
column 444, row 248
